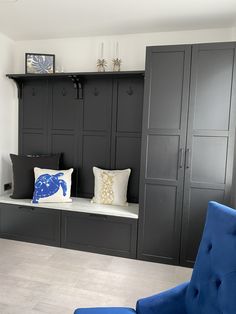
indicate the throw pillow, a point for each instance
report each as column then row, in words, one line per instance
column 52, row 185
column 23, row 172
column 110, row 186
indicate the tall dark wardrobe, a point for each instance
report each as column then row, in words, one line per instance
column 187, row 146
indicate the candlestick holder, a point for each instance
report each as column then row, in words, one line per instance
column 101, row 65
column 116, row 64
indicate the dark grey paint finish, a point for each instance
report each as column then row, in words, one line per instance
column 63, row 125
column 103, row 129
column 26, row 223
column 187, row 161
column 126, row 130
column 89, row 232
column 163, row 142
column 99, row 234
column 32, row 111
column 210, row 139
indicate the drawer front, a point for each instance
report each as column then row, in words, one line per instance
column 32, row 224
column 99, row 234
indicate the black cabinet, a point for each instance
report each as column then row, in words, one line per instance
column 100, row 128
column 31, row 224
column 187, row 146
column 99, row 233
column 210, row 139
column 69, row 229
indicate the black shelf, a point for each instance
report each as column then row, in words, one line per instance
column 69, row 74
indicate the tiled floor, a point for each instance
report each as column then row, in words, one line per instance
column 38, row 279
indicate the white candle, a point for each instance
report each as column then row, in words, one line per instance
column 102, row 50
column 117, row 50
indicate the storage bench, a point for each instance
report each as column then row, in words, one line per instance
column 78, row 225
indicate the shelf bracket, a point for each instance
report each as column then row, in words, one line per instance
column 19, row 85
column 77, row 82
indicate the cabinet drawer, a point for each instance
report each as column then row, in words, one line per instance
column 32, row 224
column 99, row 233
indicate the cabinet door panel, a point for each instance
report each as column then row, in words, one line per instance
column 210, row 139
column 130, row 105
column 209, row 159
column 214, row 70
column 128, row 156
column 127, row 110
column 33, row 143
column 35, row 103
column 95, row 153
column 160, row 238
column 64, row 105
column 33, row 122
column 97, row 104
column 167, row 71
column 162, row 157
column 31, row 224
column 196, row 219
column 163, row 147
column 99, row 234
column 66, row 145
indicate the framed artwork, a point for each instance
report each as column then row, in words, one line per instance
column 38, row 63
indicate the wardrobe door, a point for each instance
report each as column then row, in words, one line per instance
column 163, row 146
column 210, row 139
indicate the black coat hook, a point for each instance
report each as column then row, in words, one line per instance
column 33, row 91
column 96, row 92
column 63, row 92
column 130, row 91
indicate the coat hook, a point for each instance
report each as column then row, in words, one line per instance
column 96, row 92
column 130, row 91
column 63, row 92
column 33, row 91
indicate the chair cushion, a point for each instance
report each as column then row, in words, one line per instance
column 106, row 310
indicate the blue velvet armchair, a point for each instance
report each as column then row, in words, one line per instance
column 212, row 288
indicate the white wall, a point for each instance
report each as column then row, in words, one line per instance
column 8, row 110
column 80, row 54
column 234, row 33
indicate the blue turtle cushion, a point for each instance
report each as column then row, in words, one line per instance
column 52, row 185
column 23, row 172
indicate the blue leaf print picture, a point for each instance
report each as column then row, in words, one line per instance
column 39, row 63
column 47, row 185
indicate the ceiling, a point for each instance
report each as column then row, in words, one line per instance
column 42, row 19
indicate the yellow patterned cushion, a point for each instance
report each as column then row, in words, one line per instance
column 110, row 186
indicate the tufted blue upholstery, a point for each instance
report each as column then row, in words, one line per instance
column 106, row 310
column 212, row 289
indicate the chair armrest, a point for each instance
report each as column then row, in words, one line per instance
column 168, row 302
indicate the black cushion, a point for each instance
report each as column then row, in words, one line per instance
column 23, row 172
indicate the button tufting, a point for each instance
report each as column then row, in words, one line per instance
column 195, row 292
column 209, row 247
column 218, row 283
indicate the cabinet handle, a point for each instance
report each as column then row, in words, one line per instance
column 181, row 157
column 98, row 216
column 26, row 207
column 188, row 158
